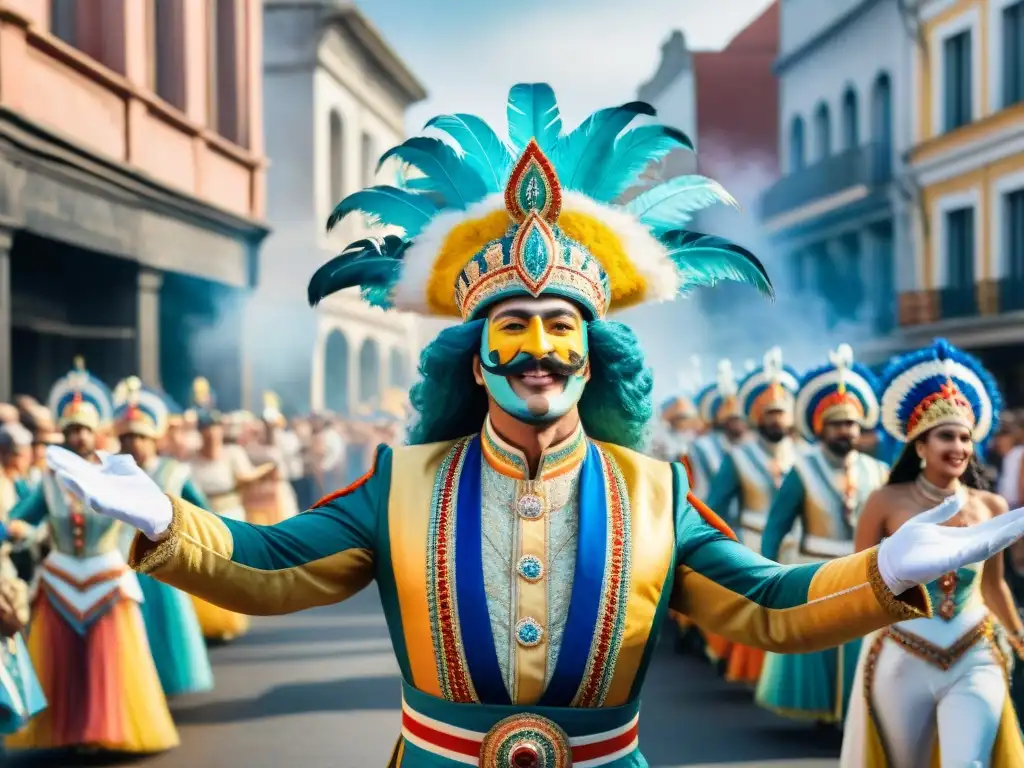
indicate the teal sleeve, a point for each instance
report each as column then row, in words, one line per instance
column 346, row 522
column 192, row 494
column 32, row 509
column 725, row 487
column 789, row 501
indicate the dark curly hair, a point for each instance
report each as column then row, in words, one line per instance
column 616, row 406
column 908, row 466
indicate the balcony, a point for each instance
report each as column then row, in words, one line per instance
column 958, row 301
column 853, row 173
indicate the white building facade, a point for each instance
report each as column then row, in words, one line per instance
column 842, row 206
column 336, row 96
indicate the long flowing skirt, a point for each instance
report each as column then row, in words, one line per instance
column 21, row 698
column 809, row 686
column 175, row 639
column 103, row 688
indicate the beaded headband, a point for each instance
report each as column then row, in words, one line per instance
column 80, row 399
column 840, row 391
column 138, row 410
column 771, row 387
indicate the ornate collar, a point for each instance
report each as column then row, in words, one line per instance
column 510, row 461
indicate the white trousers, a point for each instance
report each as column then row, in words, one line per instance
column 914, row 701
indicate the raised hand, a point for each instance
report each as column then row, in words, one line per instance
column 923, row 549
column 117, row 487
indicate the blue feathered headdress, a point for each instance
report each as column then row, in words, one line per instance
column 772, row 386
column 717, row 401
column 534, row 215
column 939, row 384
column 139, row 410
column 80, row 399
column 842, row 389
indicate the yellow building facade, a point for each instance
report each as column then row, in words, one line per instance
column 967, row 164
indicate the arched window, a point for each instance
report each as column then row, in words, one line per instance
column 822, row 132
column 797, row 150
column 851, row 132
column 335, row 153
column 398, row 375
column 881, row 110
column 369, row 374
column 336, row 373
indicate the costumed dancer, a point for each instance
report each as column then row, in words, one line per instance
column 21, row 698
column 677, row 429
column 87, row 639
column 266, row 447
column 752, row 472
column 824, row 492
column 218, row 472
column 720, row 411
column 175, row 638
column 524, row 550
column 15, row 463
column 934, row 691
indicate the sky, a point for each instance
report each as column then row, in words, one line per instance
column 596, row 53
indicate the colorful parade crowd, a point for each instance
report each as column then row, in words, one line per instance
column 814, row 467
column 92, row 651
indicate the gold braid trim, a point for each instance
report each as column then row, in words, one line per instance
column 900, row 608
column 165, row 550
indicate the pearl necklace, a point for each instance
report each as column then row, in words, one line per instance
column 934, row 493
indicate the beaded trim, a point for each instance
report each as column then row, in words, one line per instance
column 898, row 609
column 168, row 546
column 608, row 634
column 452, row 670
column 554, row 463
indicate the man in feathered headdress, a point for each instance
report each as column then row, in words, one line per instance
column 751, row 474
column 524, row 550
column 719, row 409
column 823, row 495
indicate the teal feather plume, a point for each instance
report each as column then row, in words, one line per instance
column 633, row 152
column 672, row 204
column 456, row 181
column 704, row 260
column 374, row 264
column 387, row 206
column 533, row 113
column 482, row 149
column 580, row 157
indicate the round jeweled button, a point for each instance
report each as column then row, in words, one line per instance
column 525, row 755
column 529, row 632
column 530, row 506
column 530, row 568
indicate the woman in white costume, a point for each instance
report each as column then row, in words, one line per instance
column 933, row 693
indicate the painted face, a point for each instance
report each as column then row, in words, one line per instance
column 533, row 354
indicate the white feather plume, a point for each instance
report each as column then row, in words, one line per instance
column 726, row 379
column 773, row 364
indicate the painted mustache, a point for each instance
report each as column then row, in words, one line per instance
column 549, row 363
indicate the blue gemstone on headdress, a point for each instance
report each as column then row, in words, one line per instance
column 532, row 191
column 535, row 253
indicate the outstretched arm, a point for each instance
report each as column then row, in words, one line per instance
column 730, row 590
column 323, row 556
column 782, row 515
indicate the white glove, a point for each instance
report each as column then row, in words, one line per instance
column 922, row 549
column 117, row 487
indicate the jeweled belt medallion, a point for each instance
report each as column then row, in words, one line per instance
column 526, row 741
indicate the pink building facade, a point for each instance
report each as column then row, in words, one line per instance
column 132, row 189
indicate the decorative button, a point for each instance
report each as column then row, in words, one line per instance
column 530, row 506
column 525, row 755
column 530, row 568
column 529, row 632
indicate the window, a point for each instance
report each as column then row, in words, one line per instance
column 1013, row 207
column 851, row 133
column 64, row 20
column 957, row 81
column 960, row 249
column 166, row 67
column 823, row 132
column 335, row 153
column 1013, row 54
column 224, row 86
column 369, row 160
column 797, row 156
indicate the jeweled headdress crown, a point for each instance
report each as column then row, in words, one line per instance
column 939, row 384
column 770, row 387
column 841, row 390
column 533, row 216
